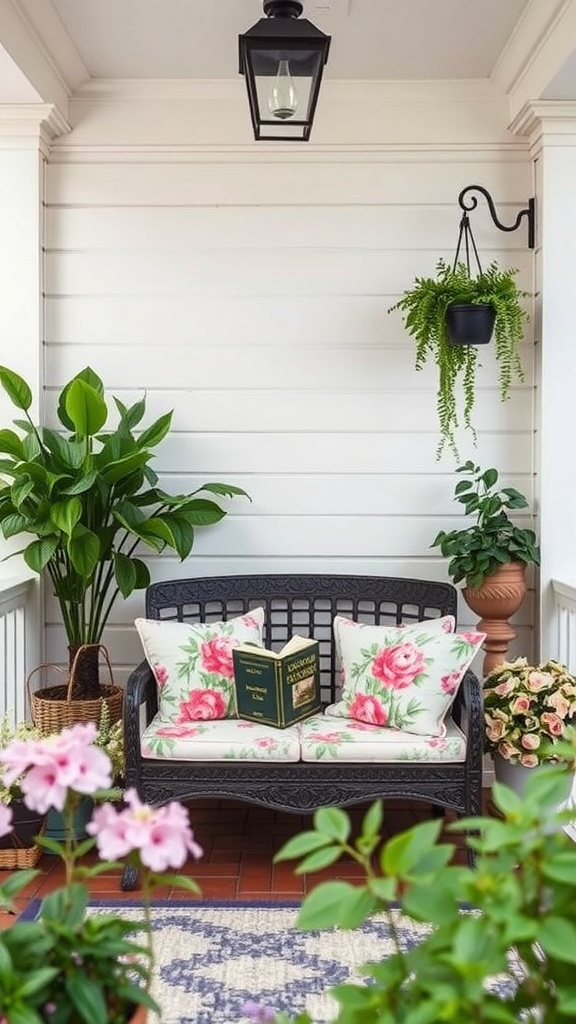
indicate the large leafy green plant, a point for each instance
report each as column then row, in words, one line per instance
column 89, row 498
column 424, row 308
column 492, row 539
column 522, row 889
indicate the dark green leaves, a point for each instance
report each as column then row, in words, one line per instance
column 89, row 498
column 16, row 388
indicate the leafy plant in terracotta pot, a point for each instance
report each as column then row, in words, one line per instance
column 88, row 496
column 425, row 307
column 492, row 550
column 476, row 551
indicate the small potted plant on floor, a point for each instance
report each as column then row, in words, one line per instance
column 527, row 709
column 18, row 849
column 89, row 498
column 447, row 315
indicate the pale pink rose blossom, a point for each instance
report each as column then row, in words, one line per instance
column 520, row 705
column 554, row 724
column 559, row 703
column 504, row 688
column 539, row 681
column 494, row 729
column 368, row 709
column 398, row 666
column 529, row 760
column 216, row 656
column 202, row 704
column 5, row 820
column 508, row 750
column 530, row 741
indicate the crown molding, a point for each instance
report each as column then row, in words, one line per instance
column 552, row 121
column 36, row 123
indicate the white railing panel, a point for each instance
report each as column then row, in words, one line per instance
column 565, row 598
column 18, row 643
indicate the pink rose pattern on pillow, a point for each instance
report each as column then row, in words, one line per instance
column 193, row 665
column 399, row 678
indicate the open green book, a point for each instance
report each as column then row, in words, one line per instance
column 278, row 687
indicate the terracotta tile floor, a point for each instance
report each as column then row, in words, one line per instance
column 239, row 841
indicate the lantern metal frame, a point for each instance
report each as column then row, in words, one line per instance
column 270, row 40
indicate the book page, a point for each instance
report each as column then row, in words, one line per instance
column 295, row 643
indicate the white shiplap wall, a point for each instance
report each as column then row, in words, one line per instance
column 247, row 288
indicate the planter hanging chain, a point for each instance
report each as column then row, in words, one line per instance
column 465, row 235
column 529, row 212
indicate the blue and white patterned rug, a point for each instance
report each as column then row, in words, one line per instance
column 212, row 957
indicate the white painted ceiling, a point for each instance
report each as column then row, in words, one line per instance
column 198, row 39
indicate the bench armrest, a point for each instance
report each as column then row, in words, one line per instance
column 468, row 709
column 141, row 689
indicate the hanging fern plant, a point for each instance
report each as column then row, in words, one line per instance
column 424, row 309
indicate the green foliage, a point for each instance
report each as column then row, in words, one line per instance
column 68, row 966
column 522, row 891
column 424, row 308
column 90, row 498
column 493, row 540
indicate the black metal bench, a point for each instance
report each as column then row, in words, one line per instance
column 304, row 604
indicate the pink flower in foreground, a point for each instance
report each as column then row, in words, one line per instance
column 52, row 766
column 216, row 656
column 5, row 820
column 398, row 666
column 530, row 742
column 202, row 704
column 161, row 835
column 529, row 760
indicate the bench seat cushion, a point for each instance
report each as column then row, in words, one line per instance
column 337, row 739
column 226, row 739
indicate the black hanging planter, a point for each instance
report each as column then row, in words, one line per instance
column 470, row 323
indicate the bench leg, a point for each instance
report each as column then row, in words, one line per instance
column 129, row 878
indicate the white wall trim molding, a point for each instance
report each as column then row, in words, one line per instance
column 539, row 46
column 32, row 124
column 551, row 120
column 64, row 151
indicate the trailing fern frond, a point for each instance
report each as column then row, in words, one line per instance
column 424, row 310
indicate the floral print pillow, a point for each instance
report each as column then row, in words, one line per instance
column 401, row 678
column 193, row 666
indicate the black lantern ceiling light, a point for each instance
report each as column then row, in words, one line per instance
column 282, row 58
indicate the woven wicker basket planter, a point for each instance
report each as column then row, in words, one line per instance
column 18, row 849
column 54, row 708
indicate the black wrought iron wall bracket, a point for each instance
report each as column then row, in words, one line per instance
column 529, row 212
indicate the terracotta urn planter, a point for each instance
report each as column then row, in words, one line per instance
column 496, row 600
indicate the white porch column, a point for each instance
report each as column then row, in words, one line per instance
column 551, row 128
column 26, row 132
